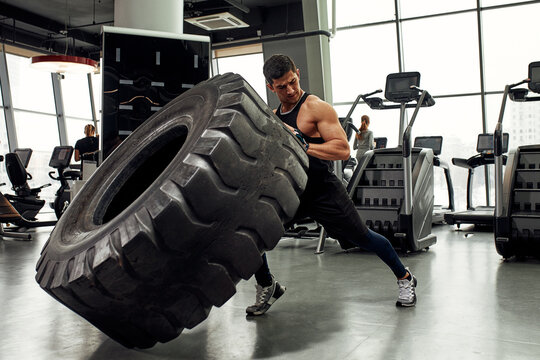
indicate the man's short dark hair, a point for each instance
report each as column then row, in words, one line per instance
column 277, row 66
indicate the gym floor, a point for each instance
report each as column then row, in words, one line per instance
column 338, row 305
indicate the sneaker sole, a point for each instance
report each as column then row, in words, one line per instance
column 402, row 304
column 272, row 300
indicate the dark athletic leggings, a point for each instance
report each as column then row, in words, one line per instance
column 326, row 201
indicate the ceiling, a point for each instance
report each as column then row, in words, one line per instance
column 74, row 26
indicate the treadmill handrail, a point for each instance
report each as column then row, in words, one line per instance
column 497, row 144
column 446, row 168
column 461, row 163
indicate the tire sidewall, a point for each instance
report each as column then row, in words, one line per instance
column 78, row 229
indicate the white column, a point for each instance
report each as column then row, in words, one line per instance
column 158, row 15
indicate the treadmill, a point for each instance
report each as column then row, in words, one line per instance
column 435, row 143
column 476, row 215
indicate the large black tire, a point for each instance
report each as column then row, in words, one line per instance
column 176, row 215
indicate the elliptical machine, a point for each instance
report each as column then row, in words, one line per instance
column 517, row 195
column 60, row 160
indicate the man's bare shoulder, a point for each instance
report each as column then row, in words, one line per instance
column 315, row 105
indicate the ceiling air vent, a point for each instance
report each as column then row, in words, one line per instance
column 219, row 21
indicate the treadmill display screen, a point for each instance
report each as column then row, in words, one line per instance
column 61, row 157
column 398, row 86
column 534, row 75
column 429, row 142
column 485, row 143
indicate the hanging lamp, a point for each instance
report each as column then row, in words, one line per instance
column 64, row 64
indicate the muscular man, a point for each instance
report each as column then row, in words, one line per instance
column 325, row 199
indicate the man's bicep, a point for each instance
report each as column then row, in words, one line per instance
column 329, row 126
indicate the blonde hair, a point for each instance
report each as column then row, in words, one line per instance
column 89, row 130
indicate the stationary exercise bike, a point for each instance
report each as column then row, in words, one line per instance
column 26, row 200
column 60, row 160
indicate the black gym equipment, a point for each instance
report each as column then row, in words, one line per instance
column 25, row 200
column 380, row 142
column 393, row 188
column 9, row 215
column 481, row 216
column 435, row 143
column 517, row 195
column 24, row 154
column 60, row 160
column 176, row 215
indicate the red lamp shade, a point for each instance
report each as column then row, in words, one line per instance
column 64, row 64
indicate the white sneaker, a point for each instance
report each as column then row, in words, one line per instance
column 407, row 291
column 265, row 297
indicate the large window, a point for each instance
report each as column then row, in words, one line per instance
column 451, row 64
column 412, row 8
column 383, row 123
column 249, row 66
column 354, row 12
column 520, row 120
column 511, row 42
column 441, row 41
column 30, row 89
column 76, row 96
column 454, row 120
column 4, row 146
column 40, row 133
column 361, row 59
column 35, row 119
column 486, row 3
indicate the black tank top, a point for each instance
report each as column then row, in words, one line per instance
column 316, row 166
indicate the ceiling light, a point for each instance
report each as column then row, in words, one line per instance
column 64, row 64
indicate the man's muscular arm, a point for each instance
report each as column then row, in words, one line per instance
column 322, row 120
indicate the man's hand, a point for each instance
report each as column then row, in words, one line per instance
column 300, row 137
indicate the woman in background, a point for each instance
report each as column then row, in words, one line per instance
column 364, row 139
column 87, row 145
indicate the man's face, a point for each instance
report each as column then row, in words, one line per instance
column 287, row 87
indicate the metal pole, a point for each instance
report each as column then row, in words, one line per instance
column 320, row 244
column 402, row 123
column 92, row 102
column 399, row 36
column 59, row 104
column 8, row 103
column 482, row 92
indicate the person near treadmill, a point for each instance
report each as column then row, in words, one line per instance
column 363, row 140
column 87, row 145
column 325, row 199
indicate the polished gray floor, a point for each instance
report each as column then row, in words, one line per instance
column 339, row 305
